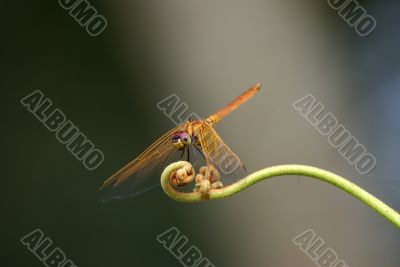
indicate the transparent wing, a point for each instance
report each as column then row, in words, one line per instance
column 144, row 172
column 218, row 154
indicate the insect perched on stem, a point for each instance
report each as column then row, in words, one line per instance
column 195, row 138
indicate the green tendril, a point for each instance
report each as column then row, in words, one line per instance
column 331, row 178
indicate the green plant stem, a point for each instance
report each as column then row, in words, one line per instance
column 331, row 178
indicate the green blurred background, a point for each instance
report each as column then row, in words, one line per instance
column 206, row 52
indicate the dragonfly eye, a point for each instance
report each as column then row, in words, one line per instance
column 180, row 140
column 186, row 139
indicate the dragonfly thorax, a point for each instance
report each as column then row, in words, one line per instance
column 181, row 139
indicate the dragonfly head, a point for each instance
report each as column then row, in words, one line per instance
column 181, row 139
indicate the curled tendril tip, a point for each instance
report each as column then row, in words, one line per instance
column 182, row 172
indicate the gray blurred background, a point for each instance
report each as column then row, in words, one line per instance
column 206, row 52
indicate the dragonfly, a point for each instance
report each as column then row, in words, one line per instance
column 194, row 140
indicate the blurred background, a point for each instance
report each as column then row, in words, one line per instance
column 206, row 52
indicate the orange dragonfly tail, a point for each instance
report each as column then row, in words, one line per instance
column 217, row 116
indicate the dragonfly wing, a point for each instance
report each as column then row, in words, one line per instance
column 144, row 172
column 218, row 154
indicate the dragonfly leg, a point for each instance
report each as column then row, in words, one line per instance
column 198, row 149
column 188, row 154
column 194, row 153
column 183, row 152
